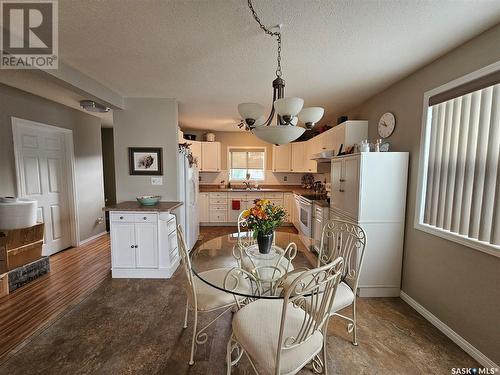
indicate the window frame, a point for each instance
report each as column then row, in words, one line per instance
column 424, row 161
column 257, row 148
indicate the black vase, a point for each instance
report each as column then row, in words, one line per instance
column 264, row 241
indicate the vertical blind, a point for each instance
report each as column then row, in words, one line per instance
column 462, row 190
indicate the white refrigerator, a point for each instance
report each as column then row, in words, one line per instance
column 188, row 195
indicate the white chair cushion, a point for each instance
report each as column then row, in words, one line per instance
column 343, row 297
column 256, row 327
column 210, row 298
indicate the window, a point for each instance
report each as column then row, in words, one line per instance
column 243, row 161
column 459, row 190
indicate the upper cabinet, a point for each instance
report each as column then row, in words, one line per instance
column 210, row 157
column 282, row 158
column 296, row 156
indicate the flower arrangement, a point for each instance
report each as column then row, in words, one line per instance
column 264, row 217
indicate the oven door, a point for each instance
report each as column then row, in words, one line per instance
column 305, row 217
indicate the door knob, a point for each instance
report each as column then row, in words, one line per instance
column 131, row 246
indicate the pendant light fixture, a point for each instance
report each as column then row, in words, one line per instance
column 288, row 111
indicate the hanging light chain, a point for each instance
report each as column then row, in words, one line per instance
column 277, row 34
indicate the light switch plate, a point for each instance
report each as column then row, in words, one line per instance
column 156, row 180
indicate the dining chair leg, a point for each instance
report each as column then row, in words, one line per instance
column 228, row 355
column 325, row 367
column 186, row 315
column 355, row 325
column 193, row 342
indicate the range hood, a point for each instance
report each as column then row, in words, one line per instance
column 323, row 156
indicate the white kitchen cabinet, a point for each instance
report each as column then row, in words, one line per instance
column 298, row 157
column 143, row 244
column 123, row 242
column 210, row 157
column 288, row 203
column 370, row 189
column 146, row 253
column 282, row 156
column 311, row 166
column 196, row 151
column 203, row 204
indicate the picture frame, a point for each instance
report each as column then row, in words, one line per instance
column 145, row 161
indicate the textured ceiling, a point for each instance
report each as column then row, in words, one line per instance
column 211, row 55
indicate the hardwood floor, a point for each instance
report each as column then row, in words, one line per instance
column 75, row 273
column 77, row 320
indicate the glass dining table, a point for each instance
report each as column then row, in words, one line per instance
column 237, row 252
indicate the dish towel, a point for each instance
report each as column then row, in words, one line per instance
column 235, row 205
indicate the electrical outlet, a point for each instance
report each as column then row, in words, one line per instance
column 285, row 178
column 156, row 180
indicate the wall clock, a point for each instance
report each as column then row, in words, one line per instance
column 386, row 125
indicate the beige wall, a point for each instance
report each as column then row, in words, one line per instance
column 146, row 122
column 87, row 148
column 460, row 285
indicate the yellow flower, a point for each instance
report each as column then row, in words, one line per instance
column 246, row 214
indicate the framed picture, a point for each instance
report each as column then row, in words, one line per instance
column 145, row 161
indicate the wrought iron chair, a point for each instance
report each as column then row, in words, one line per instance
column 344, row 239
column 300, row 338
column 201, row 297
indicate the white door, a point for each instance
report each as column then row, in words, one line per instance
column 351, row 186
column 210, row 156
column 298, row 156
column 203, row 208
column 281, row 158
column 123, row 243
column 41, row 157
column 146, row 242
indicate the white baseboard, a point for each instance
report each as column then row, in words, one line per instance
column 83, row 242
column 452, row 335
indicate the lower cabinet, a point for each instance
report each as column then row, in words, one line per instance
column 143, row 245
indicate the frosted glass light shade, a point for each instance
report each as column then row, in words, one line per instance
column 288, row 106
column 278, row 134
column 294, row 121
column 260, row 121
column 311, row 114
column 250, row 110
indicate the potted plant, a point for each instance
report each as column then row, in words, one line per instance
column 262, row 219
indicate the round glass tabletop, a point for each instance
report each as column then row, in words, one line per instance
column 223, row 253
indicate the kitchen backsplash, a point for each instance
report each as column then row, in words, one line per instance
column 272, row 178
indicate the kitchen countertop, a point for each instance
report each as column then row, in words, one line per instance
column 136, row 206
column 266, row 188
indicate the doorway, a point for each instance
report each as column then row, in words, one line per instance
column 45, row 172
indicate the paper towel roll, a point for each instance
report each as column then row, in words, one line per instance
column 18, row 214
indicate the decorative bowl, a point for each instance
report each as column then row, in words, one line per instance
column 148, row 200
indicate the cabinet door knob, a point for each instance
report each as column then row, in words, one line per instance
column 341, row 190
column 136, row 246
column 342, row 180
column 131, row 246
column 145, row 218
column 121, row 217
